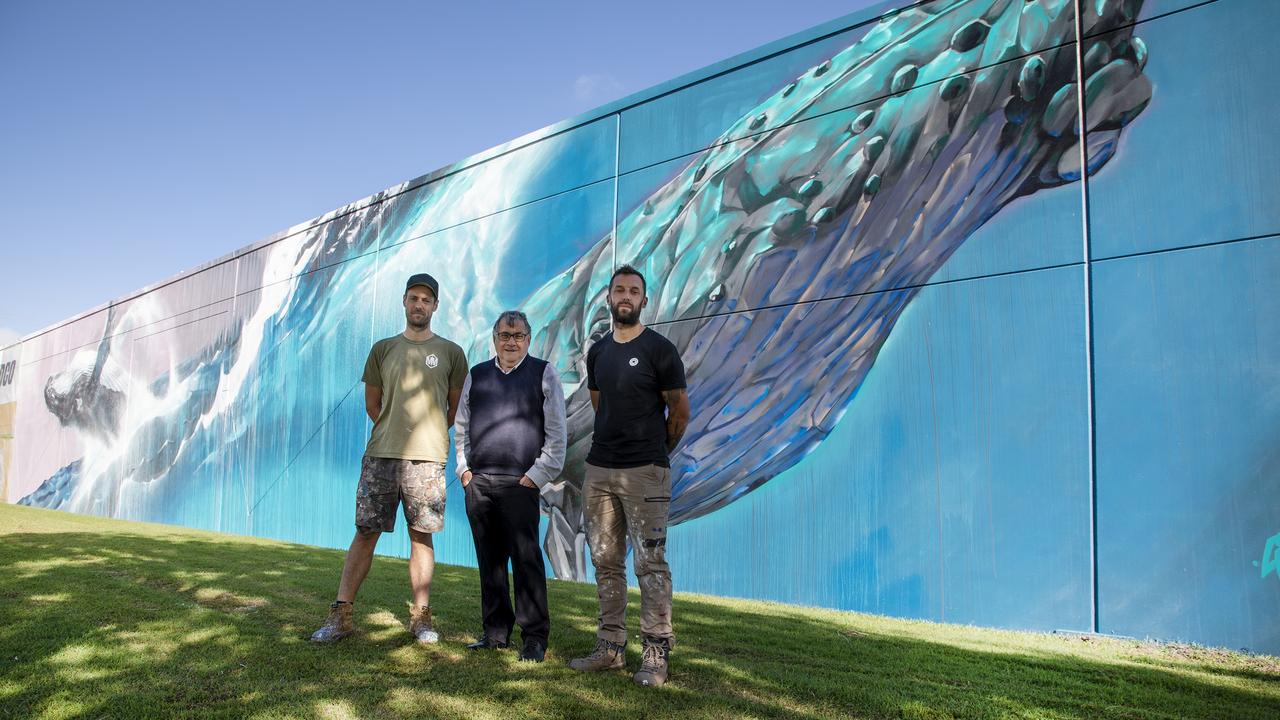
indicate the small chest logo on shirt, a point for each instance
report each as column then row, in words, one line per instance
column 432, row 360
column 633, row 362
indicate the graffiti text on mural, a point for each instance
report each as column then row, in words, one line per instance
column 6, row 372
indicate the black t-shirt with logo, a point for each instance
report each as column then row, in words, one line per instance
column 631, row 422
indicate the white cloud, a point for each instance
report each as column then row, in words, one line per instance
column 597, row 87
column 8, row 337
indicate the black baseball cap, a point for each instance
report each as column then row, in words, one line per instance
column 423, row 279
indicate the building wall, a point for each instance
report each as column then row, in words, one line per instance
column 935, row 372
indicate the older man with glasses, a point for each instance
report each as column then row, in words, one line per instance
column 510, row 439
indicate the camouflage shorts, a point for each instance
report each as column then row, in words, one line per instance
column 385, row 482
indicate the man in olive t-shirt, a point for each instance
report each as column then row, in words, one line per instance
column 411, row 424
column 412, row 382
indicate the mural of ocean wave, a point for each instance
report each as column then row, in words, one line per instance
column 856, row 180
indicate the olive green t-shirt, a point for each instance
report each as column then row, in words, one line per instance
column 415, row 378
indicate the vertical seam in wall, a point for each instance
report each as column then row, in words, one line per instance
column 937, row 478
column 617, row 168
column 12, row 470
column 249, row 481
column 131, row 344
column 1088, row 317
column 238, row 325
column 377, row 272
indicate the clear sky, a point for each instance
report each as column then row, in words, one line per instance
column 139, row 139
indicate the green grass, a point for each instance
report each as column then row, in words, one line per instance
column 104, row 618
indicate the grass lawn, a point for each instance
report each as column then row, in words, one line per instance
column 105, row 618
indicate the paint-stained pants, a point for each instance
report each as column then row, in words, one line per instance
column 630, row 505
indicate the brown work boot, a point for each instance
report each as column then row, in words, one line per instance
column 653, row 663
column 338, row 625
column 420, row 624
column 606, row 656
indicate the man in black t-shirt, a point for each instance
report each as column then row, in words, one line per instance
column 637, row 388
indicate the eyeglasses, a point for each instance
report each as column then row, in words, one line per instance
column 508, row 337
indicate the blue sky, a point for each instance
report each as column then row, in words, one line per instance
column 143, row 138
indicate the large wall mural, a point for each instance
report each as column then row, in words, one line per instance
column 901, row 192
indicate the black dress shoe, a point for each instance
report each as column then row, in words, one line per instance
column 485, row 643
column 534, row 650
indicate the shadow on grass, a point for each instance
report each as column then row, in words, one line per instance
column 129, row 625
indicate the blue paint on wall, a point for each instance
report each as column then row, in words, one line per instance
column 1188, row 373
column 1204, row 168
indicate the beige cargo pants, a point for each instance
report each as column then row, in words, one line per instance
column 630, row 505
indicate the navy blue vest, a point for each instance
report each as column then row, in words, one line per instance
column 506, row 429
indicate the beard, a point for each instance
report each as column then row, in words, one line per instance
column 631, row 318
column 417, row 322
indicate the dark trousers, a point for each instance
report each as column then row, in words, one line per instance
column 504, row 524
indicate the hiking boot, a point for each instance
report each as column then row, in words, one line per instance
column 420, row 624
column 338, row 625
column 606, row 656
column 653, row 663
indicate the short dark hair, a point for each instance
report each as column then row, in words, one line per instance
column 629, row 270
column 511, row 317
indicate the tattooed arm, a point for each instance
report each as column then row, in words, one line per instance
column 677, row 416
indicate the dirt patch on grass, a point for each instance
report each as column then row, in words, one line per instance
column 224, row 601
column 1266, row 667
